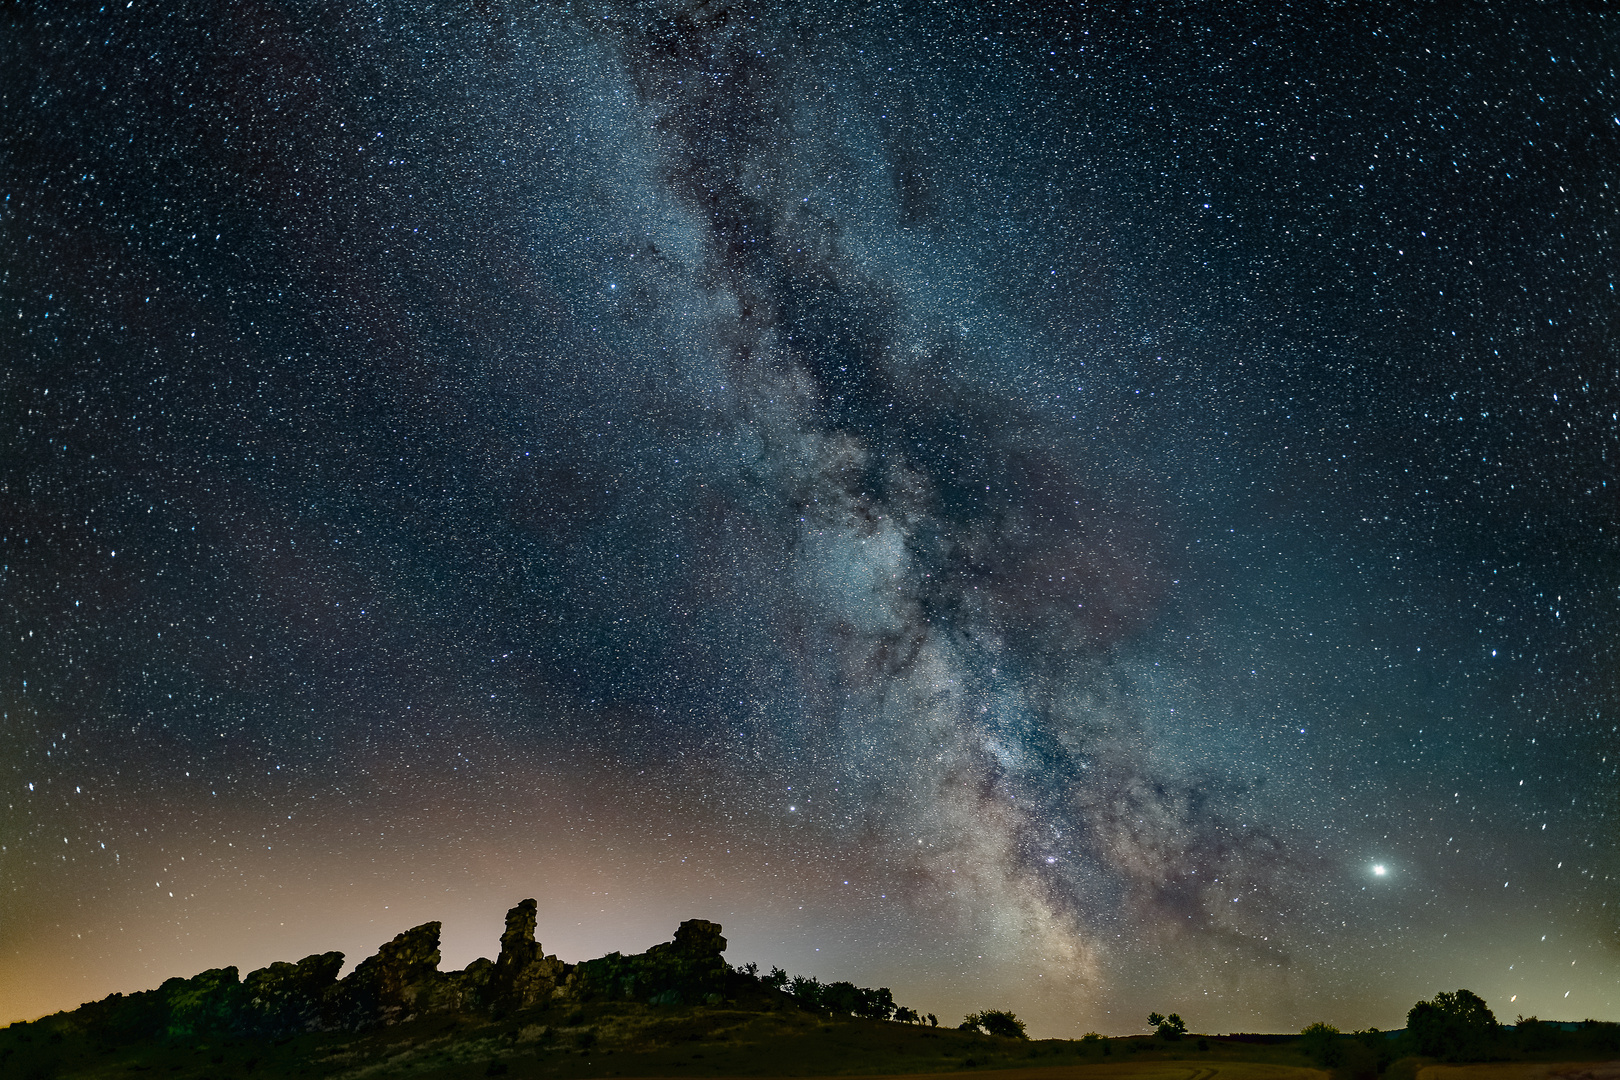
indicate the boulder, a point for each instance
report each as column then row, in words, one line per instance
column 696, row 938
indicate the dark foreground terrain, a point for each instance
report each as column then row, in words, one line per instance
column 618, row 1039
column 680, row 1010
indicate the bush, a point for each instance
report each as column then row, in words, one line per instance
column 1321, row 1043
column 1603, row 1035
column 1533, row 1035
column 1378, row 1045
column 1357, row 1061
column 1453, row 1027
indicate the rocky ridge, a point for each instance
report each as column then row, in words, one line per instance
column 403, row 981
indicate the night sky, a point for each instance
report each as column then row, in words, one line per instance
column 1079, row 513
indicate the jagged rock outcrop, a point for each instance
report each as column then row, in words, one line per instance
column 523, row 975
column 285, row 999
column 403, row 980
column 384, row 988
column 688, row 970
column 694, row 939
column 459, row 991
column 204, row 1004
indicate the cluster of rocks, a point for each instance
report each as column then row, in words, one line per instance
column 403, row 981
column 688, row 970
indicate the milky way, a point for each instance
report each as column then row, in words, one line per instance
column 1028, row 510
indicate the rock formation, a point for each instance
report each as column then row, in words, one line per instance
column 523, row 974
column 287, row 998
column 384, row 988
column 202, row 1004
column 688, row 970
column 403, row 980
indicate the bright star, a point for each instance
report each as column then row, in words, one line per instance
column 1379, row 870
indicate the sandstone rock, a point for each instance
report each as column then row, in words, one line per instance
column 285, row 999
column 205, row 1004
column 403, row 980
column 688, row 970
column 383, row 989
column 696, row 938
column 457, row 991
column 523, row 975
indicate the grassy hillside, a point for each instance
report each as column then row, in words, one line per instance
column 771, row 1036
column 622, row 1039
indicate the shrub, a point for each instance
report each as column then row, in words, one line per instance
column 1604, row 1035
column 1321, row 1043
column 1533, row 1035
column 1357, row 1061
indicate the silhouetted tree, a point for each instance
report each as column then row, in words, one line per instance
column 994, row 1022
column 1000, row 1022
column 1456, row 1027
column 876, row 1004
column 807, row 988
column 843, row 998
column 1170, row 1027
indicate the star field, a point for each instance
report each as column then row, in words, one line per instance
column 1080, row 513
